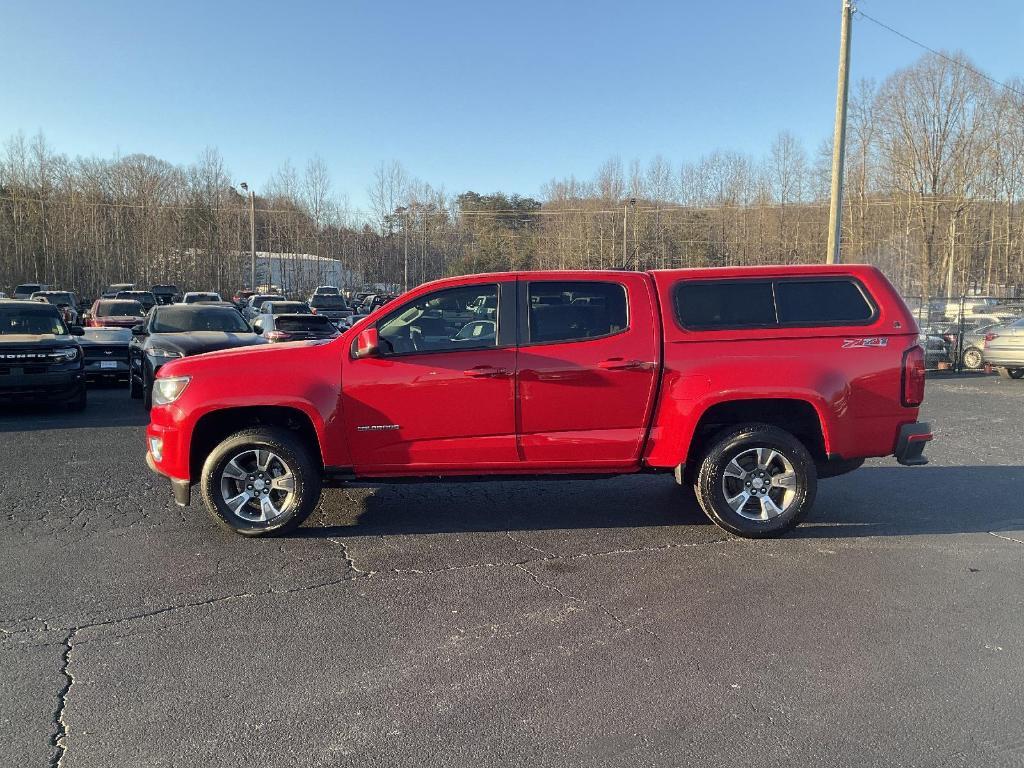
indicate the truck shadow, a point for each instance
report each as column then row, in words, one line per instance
column 873, row 501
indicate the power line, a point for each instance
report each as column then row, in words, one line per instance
column 940, row 54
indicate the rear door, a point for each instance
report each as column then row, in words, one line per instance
column 587, row 370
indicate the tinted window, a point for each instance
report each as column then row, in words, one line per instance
column 329, row 302
column 726, row 304
column 119, row 309
column 57, row 298
column 286, row 308
column 571, row 311
column 30, row 320
column 183, row 318
column 307, row 323
column 824, row 302
column 436, row 321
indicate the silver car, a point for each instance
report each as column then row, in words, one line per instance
column 1004, row 348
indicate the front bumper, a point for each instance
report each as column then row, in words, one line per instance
column 42, row 387
column 910, row 444
column 182, row 489
column 94, row 369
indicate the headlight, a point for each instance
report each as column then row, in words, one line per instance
column 168, row 390
column 164, row 353
column 66, row 354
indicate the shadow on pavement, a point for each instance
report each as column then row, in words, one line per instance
column 108, row 406
column 873, row 501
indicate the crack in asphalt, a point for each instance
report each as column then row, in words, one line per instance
column 359, row 573
column 596, row 603
column 58, row 740
column 348, row 558
column 1006, row 538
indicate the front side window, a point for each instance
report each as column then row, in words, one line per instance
column 441, row 321
column 575, row 311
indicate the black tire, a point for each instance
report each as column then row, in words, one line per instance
column 80, row 401
column 147, row 389
column 1011, row 373
column 736, row 443
column 972, row 359
column 134, row 387
column 294, row 456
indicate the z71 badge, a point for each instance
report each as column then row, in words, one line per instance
column 870, row 341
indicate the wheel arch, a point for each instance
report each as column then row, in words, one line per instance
column 213, row 426
column 800, row 417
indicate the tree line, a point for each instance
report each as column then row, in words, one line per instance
column 934, row 178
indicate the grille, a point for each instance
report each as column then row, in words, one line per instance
column 105, row 351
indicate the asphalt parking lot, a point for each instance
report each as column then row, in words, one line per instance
column 549, row 623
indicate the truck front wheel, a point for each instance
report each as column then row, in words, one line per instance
column 756, row 480
column 260, row 482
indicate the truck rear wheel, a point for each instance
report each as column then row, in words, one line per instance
column 756, row 480
column 260, row 482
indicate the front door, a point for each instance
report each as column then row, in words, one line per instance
column 587, row 371
column 440, row 394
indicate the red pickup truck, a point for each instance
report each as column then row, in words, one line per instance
column 749, row 383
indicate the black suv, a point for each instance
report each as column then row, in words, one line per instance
column 39, row 357
column 166, row 293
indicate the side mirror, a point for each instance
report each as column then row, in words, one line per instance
column 77, row 330
column 366, row 344
column 139, row 330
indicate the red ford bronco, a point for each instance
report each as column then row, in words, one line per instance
column 749, row 383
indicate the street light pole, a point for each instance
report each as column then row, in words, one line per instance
column 252, row 235
column 835, row 209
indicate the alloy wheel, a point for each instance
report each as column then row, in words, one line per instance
column 759, row 484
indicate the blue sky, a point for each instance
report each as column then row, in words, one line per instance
column 467, row 95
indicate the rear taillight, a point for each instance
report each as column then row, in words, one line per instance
column 278, row 335
column 990, row 337
column 913, row 377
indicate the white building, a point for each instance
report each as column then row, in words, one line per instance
column 299, row 272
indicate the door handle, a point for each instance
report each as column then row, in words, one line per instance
column 485, row 372
column 619, row 364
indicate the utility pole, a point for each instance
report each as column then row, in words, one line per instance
column 835, row 209
column 625, row 209
column 252, row 235
column 405, row 258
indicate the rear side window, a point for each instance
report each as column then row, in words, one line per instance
column 821, row 302
column 575, row 311
column 725, row 304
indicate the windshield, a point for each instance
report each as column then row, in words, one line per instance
column 329, row 302
column 258, row 299
column 143, row 297
column 56, row 298
column 307, row 323
column 179, row 319
column 287, row 308
column 119, row 309
column 34, row 321
column 192, row 298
